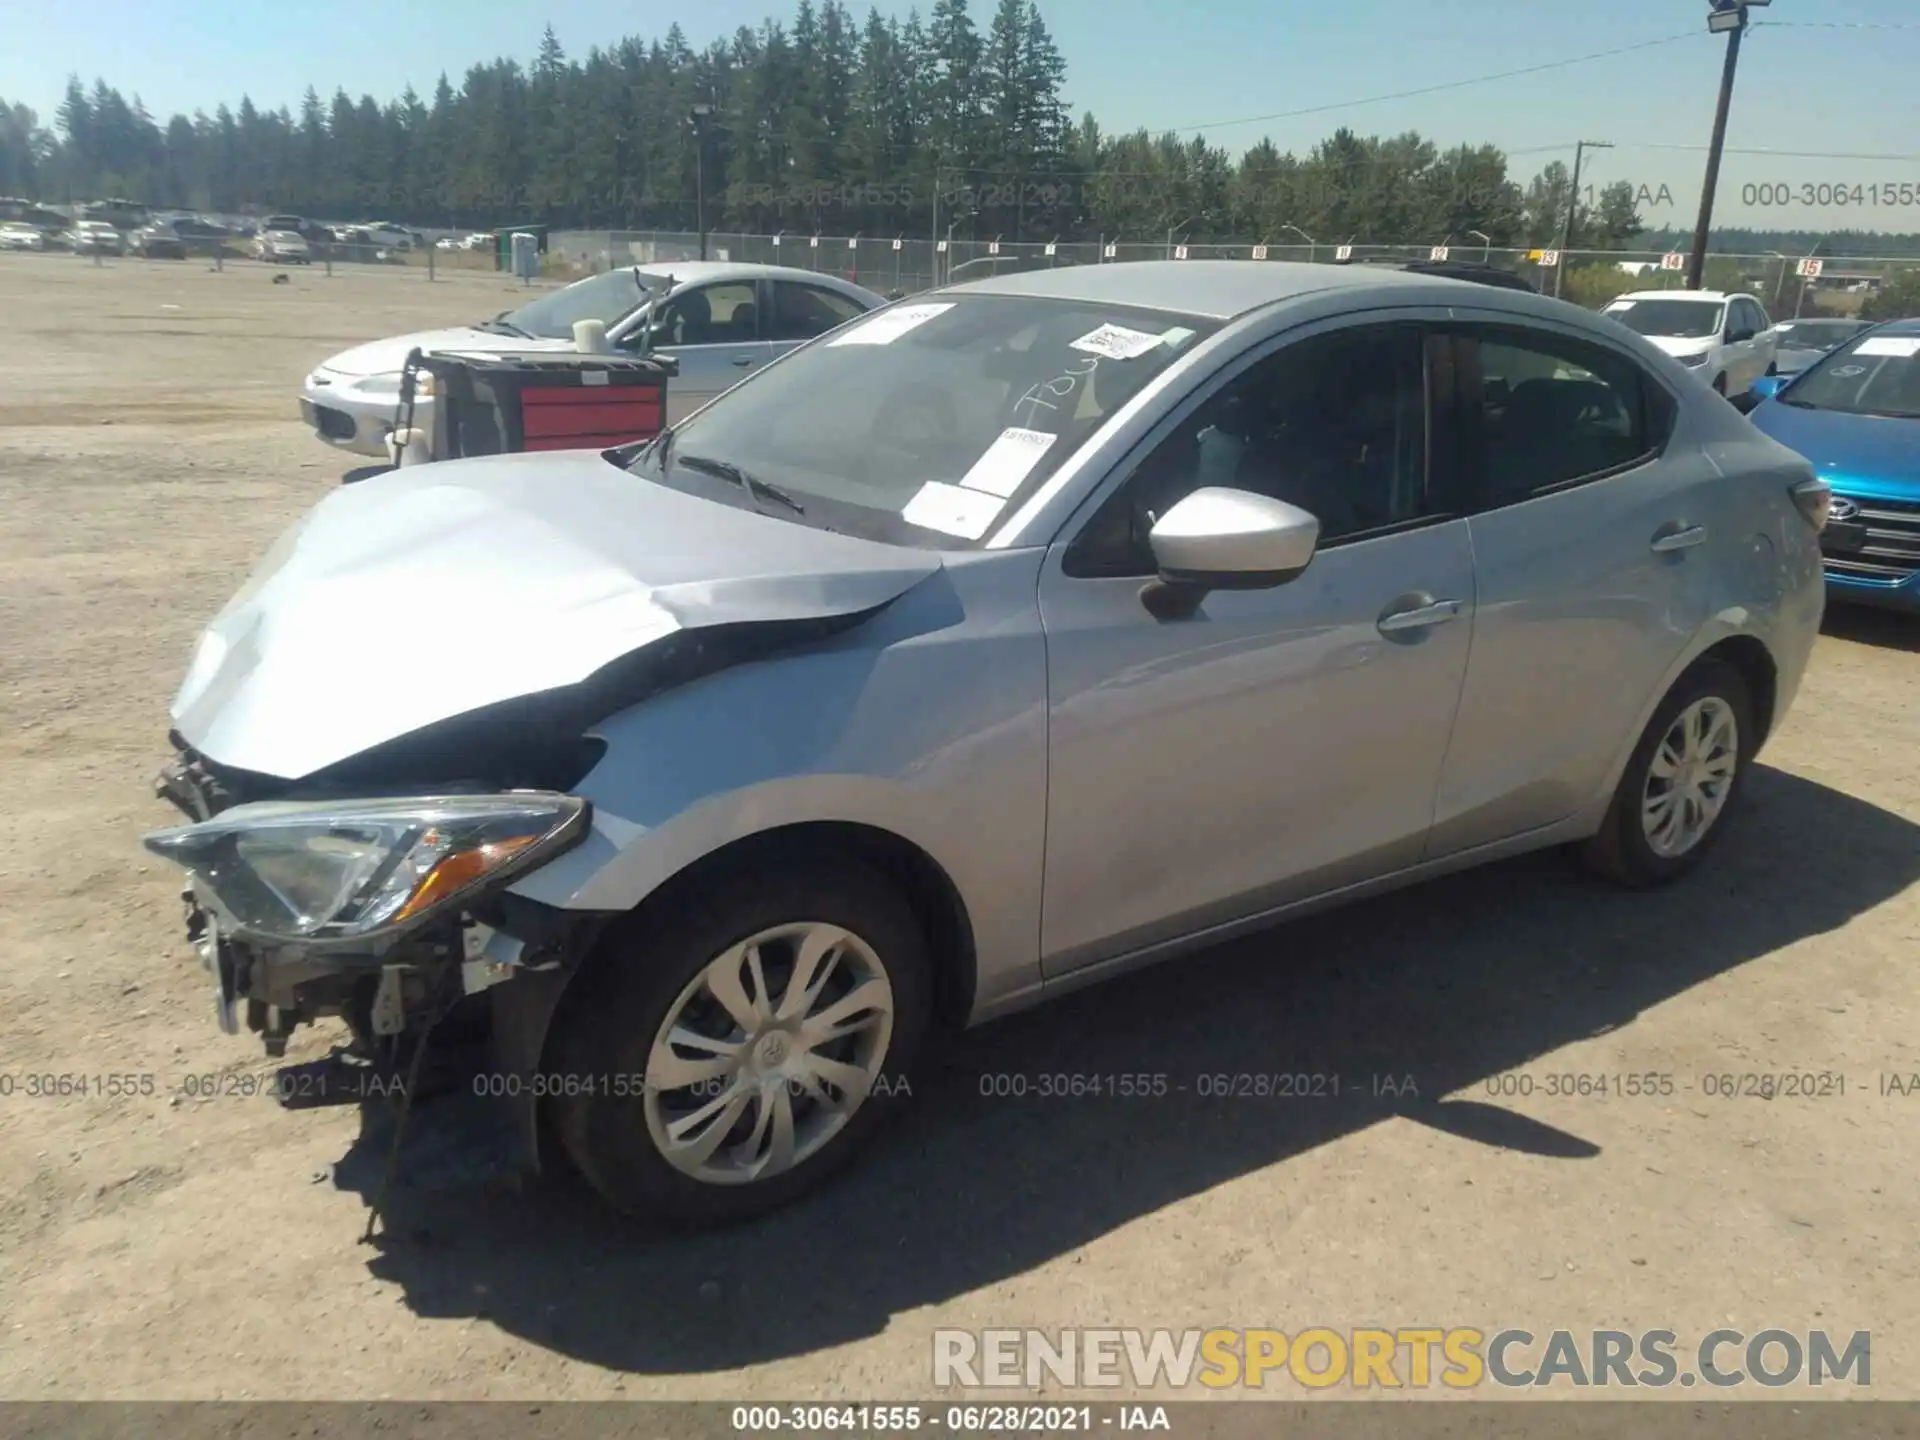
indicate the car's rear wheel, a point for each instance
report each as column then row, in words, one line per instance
column 1682, row 781
column 751, row 1038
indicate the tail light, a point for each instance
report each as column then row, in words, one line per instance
column 1814, row 499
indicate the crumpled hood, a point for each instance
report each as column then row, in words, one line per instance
column 386, row 357
column 1861, row 454
column 434, row 590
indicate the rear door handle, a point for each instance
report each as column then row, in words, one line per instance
column 743, row 361
column 1679, row 539
column 1418, row 617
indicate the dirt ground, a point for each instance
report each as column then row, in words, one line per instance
column 156, row 1243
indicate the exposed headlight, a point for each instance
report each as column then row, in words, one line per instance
column 327, row 871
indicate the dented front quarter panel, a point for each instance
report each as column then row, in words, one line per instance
column 928, row 721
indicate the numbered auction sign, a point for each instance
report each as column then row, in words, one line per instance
column 1343, row 252
column 993, row 247
column 1439, row 252
column 896, row 244
column 1111, row 251
column 939, row 247
column 1179, row 252
column 1051, row 247
column 1549, row 259
column 1259, row 252
column 1673, row 261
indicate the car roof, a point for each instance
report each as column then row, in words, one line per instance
column 1216, row 289
column 687, row 272
column 1908, row 326
column 1716, row 296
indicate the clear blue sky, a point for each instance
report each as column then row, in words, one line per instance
column 1829, row 75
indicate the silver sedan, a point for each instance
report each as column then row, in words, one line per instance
column 1014, row 636
column 723, row 322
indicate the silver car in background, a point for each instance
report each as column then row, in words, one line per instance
column 96, row 237
column 1801, row 342
column 1016, row 635
column 723, row 322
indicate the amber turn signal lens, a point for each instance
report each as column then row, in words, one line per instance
column 459, row 870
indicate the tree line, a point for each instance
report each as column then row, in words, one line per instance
column 820, row 124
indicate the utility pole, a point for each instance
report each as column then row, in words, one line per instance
column 1580, row 149
column 698, row 117
column 1729, row 16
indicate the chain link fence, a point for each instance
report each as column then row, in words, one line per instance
column 903, row 264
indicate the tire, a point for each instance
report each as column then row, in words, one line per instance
column 1624, row 850
column 653, row 970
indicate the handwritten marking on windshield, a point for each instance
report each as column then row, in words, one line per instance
column 1060, row 387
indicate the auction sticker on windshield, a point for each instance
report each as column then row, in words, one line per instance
column 1117, row 342
column 1905, row 346
column 889, row 325
column 1008, row 461
column 952, row 510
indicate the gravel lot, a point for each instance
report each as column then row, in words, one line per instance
column 171, row 1246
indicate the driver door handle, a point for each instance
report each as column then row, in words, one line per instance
column 1679, row 539
column 743, row 361
column 1418, row 617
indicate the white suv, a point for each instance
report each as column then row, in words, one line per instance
column 1726, row 337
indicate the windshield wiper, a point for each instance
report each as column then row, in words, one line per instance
column 634, row 451
column 500, row 325
column 755, row 487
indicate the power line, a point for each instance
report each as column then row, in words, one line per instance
column 1836, row 24
column 1449, row 84
column 1351, row 162
column 1780, row 154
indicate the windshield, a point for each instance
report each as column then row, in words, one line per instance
column 1816, row 334
column 1670, row 319
column 608, row 298
column 1874, row 375
column 924, row 423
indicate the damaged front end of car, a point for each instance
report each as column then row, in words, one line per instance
column 386, row 913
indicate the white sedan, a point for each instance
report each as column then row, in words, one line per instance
column 21, row 237
column 722, row 321
column 283, row 247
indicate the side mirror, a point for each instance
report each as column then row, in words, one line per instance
column 1766, row 387
column 1222, row 539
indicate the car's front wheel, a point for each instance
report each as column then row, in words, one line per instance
column 1682, row 780
column 732, row 1052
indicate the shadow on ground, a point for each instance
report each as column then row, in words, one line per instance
column 1889, row 629
column 1449, row 983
